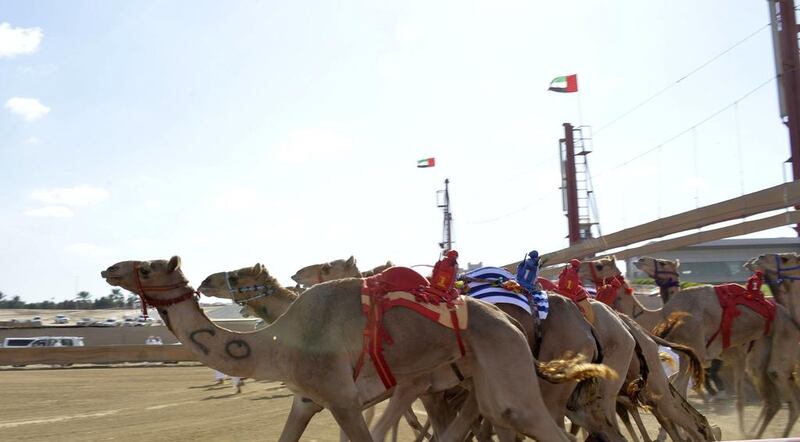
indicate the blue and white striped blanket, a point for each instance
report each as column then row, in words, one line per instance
column 490, row 290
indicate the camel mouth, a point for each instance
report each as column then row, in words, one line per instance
column 109, row 277
column 208, row 291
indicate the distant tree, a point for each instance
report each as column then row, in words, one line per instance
column 131, row 301
column 117, row 298
column 2, row 296
column 83, row 298
column 16, row 302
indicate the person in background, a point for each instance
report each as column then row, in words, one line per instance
column 236, row 381
column 712, row 376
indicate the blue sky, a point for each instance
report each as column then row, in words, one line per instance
column 287, row 133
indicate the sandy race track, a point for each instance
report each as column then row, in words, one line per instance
column 180, row 403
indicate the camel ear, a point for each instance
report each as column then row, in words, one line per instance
column 389, row 263
column 350, row 261
column 258, row 268
column 174, row 263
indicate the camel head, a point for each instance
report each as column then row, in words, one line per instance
column 157, row 278
column 377, row 269
column 317, row 273
column 771, row 263
column 240, row 285
column 598, row 268
column 661, row 270
column 253, row 288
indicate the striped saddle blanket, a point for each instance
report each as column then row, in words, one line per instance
column 487, row 284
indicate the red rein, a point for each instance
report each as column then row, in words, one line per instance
column 160, row 288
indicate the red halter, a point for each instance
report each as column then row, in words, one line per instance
column 607, row 287
column 146, row 300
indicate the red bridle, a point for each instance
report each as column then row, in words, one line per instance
column 146, row 300
column 607, row 287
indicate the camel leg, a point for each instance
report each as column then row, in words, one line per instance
column 624, row 416
column 793, row 408
column 413, row 421
column 671, row 430
column 368, row 416
column 738, row 384
column 640, row 425
column 782, row 360
column 458, row 429
column 424, row 433
column 399, row 403
column 299, row 416
column 351, row 421
column 772, row 404
column 736, row 358
column 440, row 414
column 505, row 434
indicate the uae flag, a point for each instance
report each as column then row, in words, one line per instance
column 565, row 84
column 427, row 162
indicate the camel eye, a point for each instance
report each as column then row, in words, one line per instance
column 233, row 279
column 144, row 272
column 599, row 266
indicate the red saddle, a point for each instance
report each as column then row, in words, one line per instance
column 375, row 303
column 733, row 295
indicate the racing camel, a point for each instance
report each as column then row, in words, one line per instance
column 254, row 287
column 694, row 317
column 782, row 274
column 315, row 346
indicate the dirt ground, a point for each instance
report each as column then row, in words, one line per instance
column 180, row 403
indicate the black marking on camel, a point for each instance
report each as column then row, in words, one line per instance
column 201, row 346
column 241, row 351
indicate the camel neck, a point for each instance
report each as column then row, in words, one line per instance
column 667, row 292
column 270, row 308
column 233, row 353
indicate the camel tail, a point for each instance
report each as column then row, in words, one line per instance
column 667, row 358
column 675, row 319
column 572, row 368
column 695, row 365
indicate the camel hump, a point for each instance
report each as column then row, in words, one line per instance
column 401, row 279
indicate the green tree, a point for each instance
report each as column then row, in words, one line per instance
column 83, row 298
column 117, row 298
column 131, row 301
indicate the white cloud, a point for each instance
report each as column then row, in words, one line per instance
column 16, row 41
column 78, row 196
column 312, row 143
column 28, row 108
column 82, row 248
column 32, row 140
column 51, row 212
